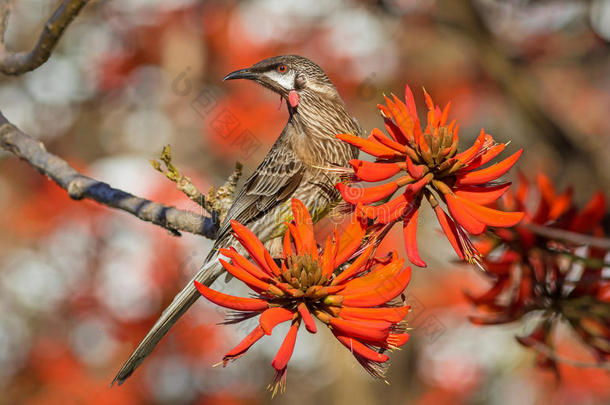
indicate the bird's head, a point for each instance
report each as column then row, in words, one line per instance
column 288, row 75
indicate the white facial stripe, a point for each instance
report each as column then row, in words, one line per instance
column 286, row 80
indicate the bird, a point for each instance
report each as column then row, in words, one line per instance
column 296, row 166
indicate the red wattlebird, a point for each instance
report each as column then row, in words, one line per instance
column 295, row 167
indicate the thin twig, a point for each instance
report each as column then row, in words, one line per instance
column 569, row 236
column 16, row 63
column 217, row 202
column 183, row 183
column 80, row 186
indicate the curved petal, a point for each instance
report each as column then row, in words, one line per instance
column 368, row 195
column 490, row 216
column 416, row 171
column 360, row 329
column 231, row 302
column 380, row 137
column 304, row 224
column 310, row 323
column 469, row 154
column 463, row 217
column 371, row 147
column 244, row 345
column 254, row 246
column 482, row 195
column 356, row 267
column 281, row 359
column 243, row 275
column 450, row 231
column 287, row 251
column 390, row 211
column 360, row 349
column 490, row 173
column 390, row 314
column 373, row 171
column 374, row 278
column 245, row 264
column 402, row 117
column 274, row 316
column 410, row 234
column 385, row 291
column 351, row 238
column 394, row 131
column 328, row 256
column 483, row 158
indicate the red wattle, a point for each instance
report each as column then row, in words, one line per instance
column 293, row 98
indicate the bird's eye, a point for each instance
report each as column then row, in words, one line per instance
column 282, row 69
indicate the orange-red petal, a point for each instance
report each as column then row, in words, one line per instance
column 304, row 224
column 351, row 238
column 450, row 230
column 281, row 359
column 410, row 235
column 356, row 267
column 243, row 275
column 463, row 216
column 361, row 329
column 360, row 349
column 230, row 301
column 385, row 291
column 274, row 316
column 483, row 158
column 244, row 263
column 373, row 279
column 389, row 211
column 372, row 171
column 389, row 314
column 490, row 216
column 244, row 345
column 490, row 173
column 371, row 147
column 310, row 323
column 252, row 244
column 469, row 154
column 368, row 195
column 482, row 195
column 380, row 137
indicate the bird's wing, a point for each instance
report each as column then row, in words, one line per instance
column 272, row 183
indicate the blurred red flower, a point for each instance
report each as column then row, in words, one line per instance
column 558, row 280
column 355, row 303
column 429, row 164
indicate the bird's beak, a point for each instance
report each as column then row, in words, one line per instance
column 241, row 74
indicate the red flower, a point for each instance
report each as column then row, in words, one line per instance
column 352, row 299
column 559, row 280
column 429, row 164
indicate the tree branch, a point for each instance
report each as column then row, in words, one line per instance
column 552, row 354
column 80, row 186
column 16, row 63
column 569, row 236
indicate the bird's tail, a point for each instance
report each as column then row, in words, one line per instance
column 181, row 303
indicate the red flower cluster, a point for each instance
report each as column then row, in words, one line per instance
column 352, row 299
column 555, row 279
column 429, row 165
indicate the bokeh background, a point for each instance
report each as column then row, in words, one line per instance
column 80, row 284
